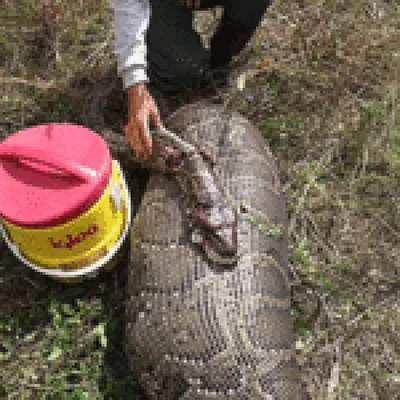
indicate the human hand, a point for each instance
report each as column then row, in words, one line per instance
column 142, row 109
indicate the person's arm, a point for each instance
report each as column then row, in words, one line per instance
column 131, row 20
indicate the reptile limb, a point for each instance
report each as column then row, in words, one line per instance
column 213, row 220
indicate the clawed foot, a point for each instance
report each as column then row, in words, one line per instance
column 207, row 156
column 215, row 229
column 171, row 161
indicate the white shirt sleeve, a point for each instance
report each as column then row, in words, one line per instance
column 131, row 20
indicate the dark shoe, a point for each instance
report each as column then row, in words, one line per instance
column 228, row 41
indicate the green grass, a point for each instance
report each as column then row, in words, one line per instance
column 59, row 352
column 329, row 107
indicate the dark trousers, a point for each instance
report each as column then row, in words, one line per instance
column 177, row 61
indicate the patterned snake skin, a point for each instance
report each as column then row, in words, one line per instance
column 199, row 331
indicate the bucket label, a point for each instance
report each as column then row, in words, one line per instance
column 72, row 240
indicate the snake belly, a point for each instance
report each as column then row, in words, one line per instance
column 200, row 331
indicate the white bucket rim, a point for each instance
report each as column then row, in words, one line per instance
column 90, row 270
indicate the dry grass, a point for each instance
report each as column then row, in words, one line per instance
column 326, row 97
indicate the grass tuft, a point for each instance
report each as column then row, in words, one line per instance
column 323, row 87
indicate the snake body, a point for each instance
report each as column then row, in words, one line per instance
column 195, row 330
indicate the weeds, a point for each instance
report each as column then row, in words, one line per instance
column 327, row 102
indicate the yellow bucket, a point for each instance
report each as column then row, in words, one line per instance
column 80, row 246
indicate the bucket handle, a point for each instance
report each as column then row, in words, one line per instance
column 22, row 152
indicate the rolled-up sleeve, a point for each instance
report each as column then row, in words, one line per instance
column 131, row 20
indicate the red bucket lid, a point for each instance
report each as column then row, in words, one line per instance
column 50, row 174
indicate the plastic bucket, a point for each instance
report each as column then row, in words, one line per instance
column 90, row 228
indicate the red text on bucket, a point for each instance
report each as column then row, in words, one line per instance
column 71, row 240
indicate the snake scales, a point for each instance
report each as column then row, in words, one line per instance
column 195, row 330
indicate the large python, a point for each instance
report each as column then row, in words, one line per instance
column 195, row 330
